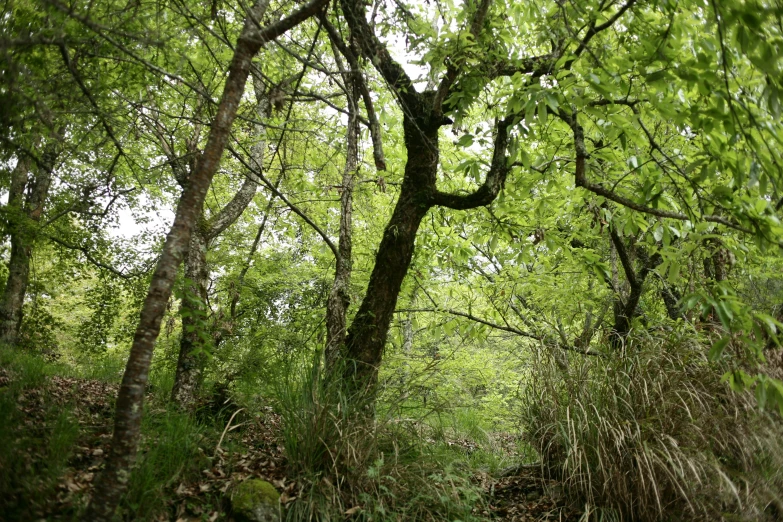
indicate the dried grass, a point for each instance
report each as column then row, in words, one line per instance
column 653, row 434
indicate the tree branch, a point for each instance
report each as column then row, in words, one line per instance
column 233, row 209
column 496, row 326
column 594, row 29
column 510, row 329
column 454, row 67
column 87, row 94
column 493, row 182
column 373, row 124
column 580, row 179
column 103, row 32
column 375, row 51
column 296, row 210
column 625, row 259
column 86, row 252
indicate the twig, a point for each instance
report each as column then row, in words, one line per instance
column 217, row 448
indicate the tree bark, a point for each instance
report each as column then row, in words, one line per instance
column 193, row 311
column 195, row 339
column 339, row 297
column 24, row 212
column 367, row 335
column 113, row 481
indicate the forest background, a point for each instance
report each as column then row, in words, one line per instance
column 411, row 230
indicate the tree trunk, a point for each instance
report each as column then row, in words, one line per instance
column 625, row 310
column 23, row 214
column 670, row 299
column 18, row 266
column 193, row 310
column 113, row 481
column 367, row 335
column 339, row 297
column 196, row 335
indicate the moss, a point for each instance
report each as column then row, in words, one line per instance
column 255, row 500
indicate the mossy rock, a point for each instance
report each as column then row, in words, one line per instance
column 255, row 500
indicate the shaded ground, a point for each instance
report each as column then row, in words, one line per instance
column 527, row 496
column 255, row 451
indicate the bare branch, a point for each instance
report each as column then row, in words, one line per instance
column 372, row 118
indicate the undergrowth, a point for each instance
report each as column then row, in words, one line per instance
column 169, row 454
column 33, row 451
column 39, row 438
column 351, row 460
column 654, row 434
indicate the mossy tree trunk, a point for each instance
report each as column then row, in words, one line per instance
column 339, row 296
column 197, row 338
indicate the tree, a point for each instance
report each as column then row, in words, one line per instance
column 49, row 115
column 603, row 84
column 423, row 116
column 113, row 480
column 27, row 195
column 195, row 335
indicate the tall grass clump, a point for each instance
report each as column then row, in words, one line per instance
column 652, row 433
column 349, row 458
column 169, row 454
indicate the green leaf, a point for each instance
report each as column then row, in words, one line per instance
column 542, row 113
column 717, row 348
column 466, row 140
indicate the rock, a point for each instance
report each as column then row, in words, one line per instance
column 255, row 500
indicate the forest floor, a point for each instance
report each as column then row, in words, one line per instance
column 254, row 450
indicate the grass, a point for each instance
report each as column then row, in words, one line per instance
column 37, row 446
column 169, row 454
column 654, row 435
column 370, row 466
column 650, row 434
column 33, row 450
